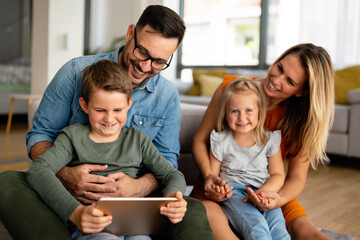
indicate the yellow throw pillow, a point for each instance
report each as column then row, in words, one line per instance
column 195, row 90
column 208, row 84
column 345, row 80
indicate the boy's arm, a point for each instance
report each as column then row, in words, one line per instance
column 169, row 178
column 41, row 176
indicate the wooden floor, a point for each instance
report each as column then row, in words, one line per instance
column 331, row 196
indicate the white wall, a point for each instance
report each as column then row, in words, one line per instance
column 58, row 32
column 58, row 36
column 110, row 19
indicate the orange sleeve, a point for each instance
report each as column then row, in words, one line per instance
column 292, row 210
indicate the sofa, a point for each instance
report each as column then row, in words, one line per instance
column 344, row 138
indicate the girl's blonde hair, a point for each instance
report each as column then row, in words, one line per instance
column 236, row 87
column 309, row 118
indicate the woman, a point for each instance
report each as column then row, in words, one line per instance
column 300, row 94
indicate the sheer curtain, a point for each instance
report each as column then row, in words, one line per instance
column 335, row 25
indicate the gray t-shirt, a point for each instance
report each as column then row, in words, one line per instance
column 246, row 166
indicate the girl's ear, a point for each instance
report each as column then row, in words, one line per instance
column 83, row 105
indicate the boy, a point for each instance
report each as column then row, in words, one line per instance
column 106, row 98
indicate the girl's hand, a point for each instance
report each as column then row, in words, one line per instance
column 175, row 211
column 90, row 219
column 216, row 189
column 264, row 201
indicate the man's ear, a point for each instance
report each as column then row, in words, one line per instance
column 130, row 33
column 83, row 105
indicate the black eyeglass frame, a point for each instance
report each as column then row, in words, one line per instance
column 149, row 57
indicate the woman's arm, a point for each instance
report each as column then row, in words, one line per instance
column 295, row 178
column 294, row 184
column 223, row 191
column 214, row 164
column 202, row 136
column 201, row 151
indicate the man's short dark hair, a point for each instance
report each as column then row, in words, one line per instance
column 163, row 20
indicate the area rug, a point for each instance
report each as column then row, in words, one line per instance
column 4, row 235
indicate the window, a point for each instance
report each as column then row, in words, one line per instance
column 253, row 33
column 221, row 32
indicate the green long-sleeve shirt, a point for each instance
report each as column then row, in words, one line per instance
column 73, row 147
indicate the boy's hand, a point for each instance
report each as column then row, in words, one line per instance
column 90, row 219
column 175, row 211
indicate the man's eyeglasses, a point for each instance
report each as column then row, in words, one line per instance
column 143, row 55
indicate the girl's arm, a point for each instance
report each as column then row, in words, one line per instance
column 277, row 174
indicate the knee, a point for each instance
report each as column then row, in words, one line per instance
column 194, row 206
column 302, row 228
column 11, row 183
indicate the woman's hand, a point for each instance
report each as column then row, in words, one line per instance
column 175, row 211
column 216, row 189
column 264, row 201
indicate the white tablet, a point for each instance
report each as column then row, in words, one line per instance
column 134, row 216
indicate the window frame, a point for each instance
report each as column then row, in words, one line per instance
column 262, row 48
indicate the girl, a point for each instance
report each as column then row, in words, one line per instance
column 247, row 156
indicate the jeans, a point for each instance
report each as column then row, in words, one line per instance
column 34, row 220
column 78, row 235
column 248, row 221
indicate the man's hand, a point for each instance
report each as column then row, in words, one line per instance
column 216, row 189
column 130, row 187
column 84, row 186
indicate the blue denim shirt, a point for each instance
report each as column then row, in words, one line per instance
column 155, row 109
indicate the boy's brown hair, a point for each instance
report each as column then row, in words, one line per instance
column 107, row 75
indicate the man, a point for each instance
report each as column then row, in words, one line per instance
column 155, row 111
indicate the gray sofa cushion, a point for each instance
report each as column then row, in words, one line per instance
column 341, row 120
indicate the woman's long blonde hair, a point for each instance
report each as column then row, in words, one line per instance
column 240, row 85
column 308, row 119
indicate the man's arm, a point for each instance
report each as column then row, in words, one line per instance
column 39, row 148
